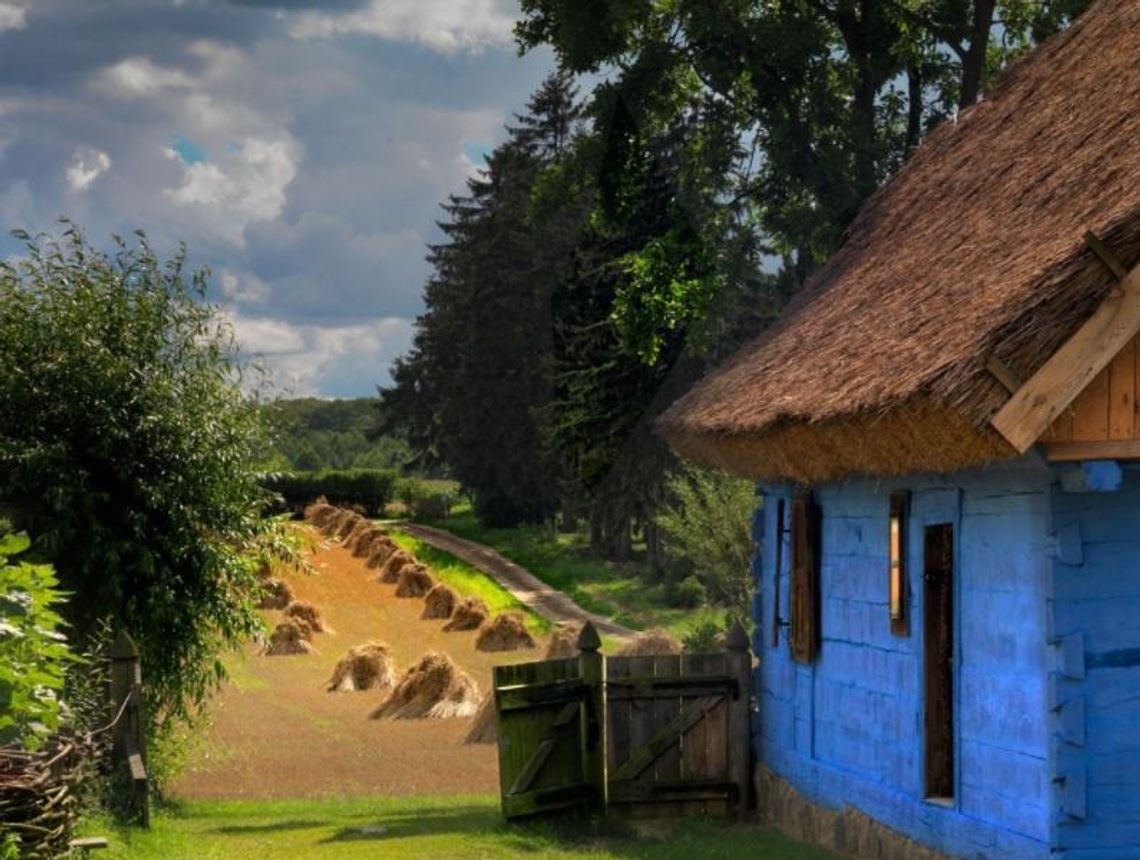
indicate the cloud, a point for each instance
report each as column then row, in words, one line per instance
column 243, row 287
column 86, row 166
column 12, row 17
column 446, row 26
column 330, row 360
column 138, row 76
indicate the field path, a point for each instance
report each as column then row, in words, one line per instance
column 520, row 582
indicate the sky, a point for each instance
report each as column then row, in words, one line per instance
column 300, row 149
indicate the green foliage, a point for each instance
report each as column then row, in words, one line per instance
column 317, row 435
column 706, row 636
column 127, row 447
column 708, row 529
column 368, row 489
column 690, row 592
column 424, row 501
column 34, row 655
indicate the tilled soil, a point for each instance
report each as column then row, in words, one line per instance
column 276, row 733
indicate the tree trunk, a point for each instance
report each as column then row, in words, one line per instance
column 974, row 64
column 914, row 107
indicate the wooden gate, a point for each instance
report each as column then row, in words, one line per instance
column 551, row 745
column 676, row 737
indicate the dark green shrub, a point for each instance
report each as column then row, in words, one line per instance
column 706, row 636
column 424, row 501
column 689, row 593
column 369, row 490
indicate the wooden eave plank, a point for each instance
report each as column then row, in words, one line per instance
column 1027, row 414
column 1113, row 449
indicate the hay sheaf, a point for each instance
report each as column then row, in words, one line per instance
column 440, row 601
column 564, row 641
column 302, row 610
column 415, row 581
column 390, row 570
column 484, row 728
column 278, row 594
column 651, row 643
column 382, row 549
column 353, row 525
column 506, row 633
column 319, row 512
column 363, row 667
column 288, row 637
column 434, row 688
column 337, row 521
column 974, row 250
column 468, row 615
column 362, row 546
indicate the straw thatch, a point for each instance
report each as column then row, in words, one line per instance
column 651, row 643
column 975, row 249
column 364, row 667
column 415, row 581
column 277, row 594
column 484, row 728
column 390, row 570
column 468, row 615
column 382, row 549
column 434, row 688
column 440, row 601
column 507, row 632
column 288, row 637
column 302, row 610
column 564, row 641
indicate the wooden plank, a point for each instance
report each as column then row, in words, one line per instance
column 1122, row 393
column 1109, row 259
column 999, row 371
column 566, row 716
column 547, row 800
column 1062, row 429
column 1124, row 449
column 1090, row 410
column 540, row 694
column 665, row 710
column 695, row 742
column 776, row 573
column 671, row 688
column 592, row 733
column 619, row 713
column 640, row 722
column 739, row 716
column 1027, row 414
column 646, row 753
column 694, row 793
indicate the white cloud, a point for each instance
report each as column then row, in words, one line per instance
column 446, row 26
column 86, row 166
column 138, row 76
column 243, row 287
column 247, row 185
column 308, row 359
column 12, row 17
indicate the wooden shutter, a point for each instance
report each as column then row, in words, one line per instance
column 805, row 578
column 898, row 598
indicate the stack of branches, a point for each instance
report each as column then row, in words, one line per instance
column 38, row 790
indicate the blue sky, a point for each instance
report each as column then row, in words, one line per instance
column 300, row 149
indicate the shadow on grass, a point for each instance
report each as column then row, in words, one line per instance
column 271, row 827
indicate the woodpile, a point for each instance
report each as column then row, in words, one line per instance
column 38, row 790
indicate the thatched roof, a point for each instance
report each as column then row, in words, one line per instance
column 973, row 249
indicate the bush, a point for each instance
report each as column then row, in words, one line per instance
column 689, row 593
column 423, row 501
column 706, row 636
column 370, row 490
column 127, row 446
column 708, row 528
column 33, row 654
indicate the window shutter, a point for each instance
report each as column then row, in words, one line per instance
column 805, row 632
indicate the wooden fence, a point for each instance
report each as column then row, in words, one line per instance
column 675, row 738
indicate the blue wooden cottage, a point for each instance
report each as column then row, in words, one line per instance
column 945, row 429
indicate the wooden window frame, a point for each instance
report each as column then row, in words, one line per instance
column 804, row 632
column 898, row 593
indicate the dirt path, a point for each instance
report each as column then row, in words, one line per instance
column 275, row 732
column 519, row 581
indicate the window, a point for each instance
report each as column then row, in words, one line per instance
column 805, row 578
column 896, row 552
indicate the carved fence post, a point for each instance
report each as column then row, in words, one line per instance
column 739, row 715
column 593, row 671
column 128, row 736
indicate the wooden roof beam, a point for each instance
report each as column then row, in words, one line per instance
column 1033, row 408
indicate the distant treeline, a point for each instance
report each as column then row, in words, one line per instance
column 311, row 435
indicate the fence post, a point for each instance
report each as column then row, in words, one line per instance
column 739, row 712
column 592, row 666
column 128, row 736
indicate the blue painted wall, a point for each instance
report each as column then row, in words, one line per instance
column 847, row 729
column 1095, row 682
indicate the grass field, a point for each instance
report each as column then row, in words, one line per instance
column 621, row 591
column 413, row 827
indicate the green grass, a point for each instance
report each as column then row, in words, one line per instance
column 414, row 827
column 621, row 591
column 470, row 581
